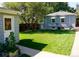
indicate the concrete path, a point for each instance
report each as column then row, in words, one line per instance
column 44, row 54
column 75, row 48
column 38, row 54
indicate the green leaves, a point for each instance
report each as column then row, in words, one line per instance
column 10, row 42
column 35, row 11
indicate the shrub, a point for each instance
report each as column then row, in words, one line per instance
column 9, row 45
column 10, row 42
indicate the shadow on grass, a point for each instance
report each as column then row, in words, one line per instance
column 34, row 45
column 28, row 43
column 50, row 31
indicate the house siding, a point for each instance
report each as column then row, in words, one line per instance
column 16, row 28
column 1, row 30
column 57, row 22
column 72, row 21
column 46, row 23
column 69, row 20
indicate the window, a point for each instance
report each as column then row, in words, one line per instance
column 53, row 20
column 7, row 23
column 62, row 19
column 53, row 27
column 62, row 27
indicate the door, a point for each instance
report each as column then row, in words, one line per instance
column 8, row 25
column 77, row 22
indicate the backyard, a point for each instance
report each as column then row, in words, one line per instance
column 55, row 41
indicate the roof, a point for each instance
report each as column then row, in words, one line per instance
column 8, row 11
column 60, row 13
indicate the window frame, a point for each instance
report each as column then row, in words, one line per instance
column 63, row 20
column 5, row 24
column 53, row 21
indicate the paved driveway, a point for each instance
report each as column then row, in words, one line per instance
column 75, row 48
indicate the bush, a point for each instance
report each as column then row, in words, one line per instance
column 10, row 42
column 9, row 45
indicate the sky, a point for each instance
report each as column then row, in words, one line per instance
column 1, row 4
column 72, row 4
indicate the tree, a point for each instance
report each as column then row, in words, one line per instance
column 34, row 12
column 62, row 6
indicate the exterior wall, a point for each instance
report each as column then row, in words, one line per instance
column 16, row 28
column 47, row 23
column 72, row 21
column 68, row 21
column 57, row 22
column 1, row 30
column 7, row 32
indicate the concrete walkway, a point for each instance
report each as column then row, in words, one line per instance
column 38, row 54
column 75, row 48
column 44, row 54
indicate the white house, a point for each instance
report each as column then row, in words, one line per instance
column 8, row 23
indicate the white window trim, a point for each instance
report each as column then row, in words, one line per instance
column 6, row 32
column 52, row 21
column 7, row 16
column 62, row 18
column 53, row 18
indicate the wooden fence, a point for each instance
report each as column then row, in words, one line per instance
column 30, row 26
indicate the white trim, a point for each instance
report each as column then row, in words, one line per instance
column 66, row 28
column 9, row 11
column 53, row 17
column 62, row 17
column 42, row 26
column 69, row 21
column 7, row 32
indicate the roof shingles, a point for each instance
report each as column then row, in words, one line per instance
column 60, row 13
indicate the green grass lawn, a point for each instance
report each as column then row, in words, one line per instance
column 58, row 41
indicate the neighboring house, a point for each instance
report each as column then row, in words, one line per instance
column 59, row 20
column 8, row 23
